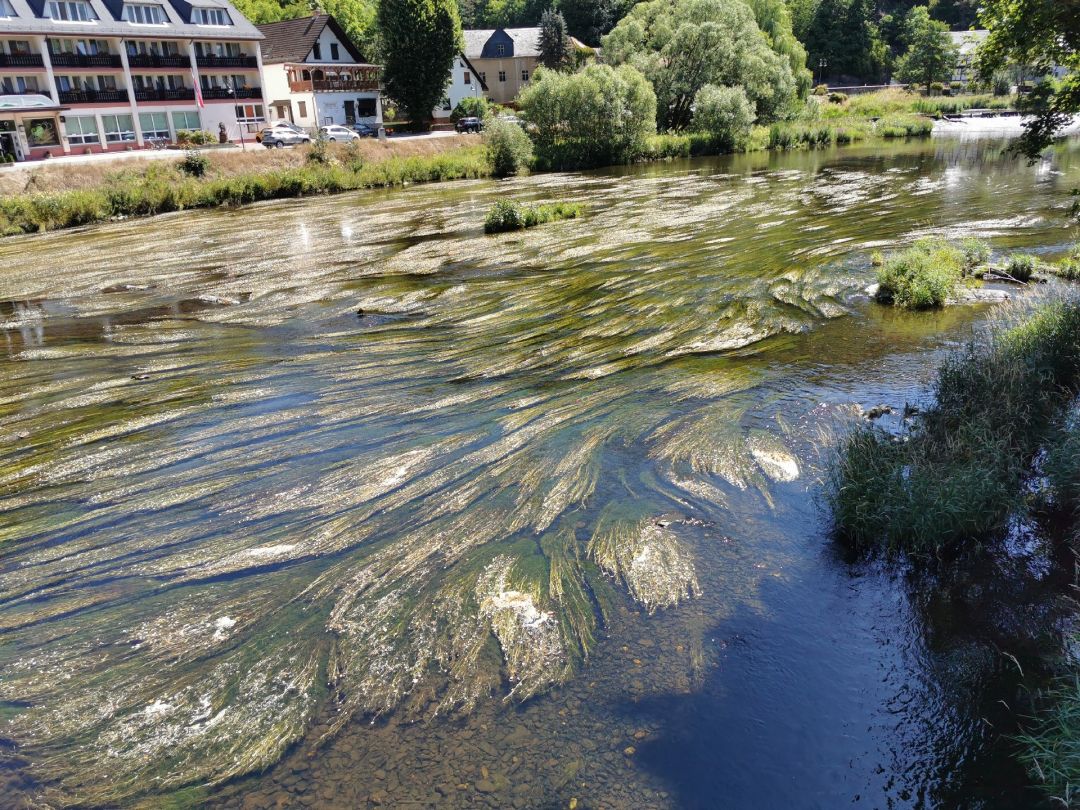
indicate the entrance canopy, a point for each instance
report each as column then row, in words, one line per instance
column 28, row 103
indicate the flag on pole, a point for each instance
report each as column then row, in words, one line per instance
column 198, row 89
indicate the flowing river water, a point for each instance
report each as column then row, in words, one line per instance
column 344, row 495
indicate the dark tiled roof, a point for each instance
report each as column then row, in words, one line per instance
column 292, row 40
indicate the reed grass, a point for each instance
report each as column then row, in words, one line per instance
column 956, row 475
column 924, row 276
column 507, row 215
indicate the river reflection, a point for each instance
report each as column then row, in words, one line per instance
column 345, row 475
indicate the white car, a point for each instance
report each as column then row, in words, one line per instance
column 333, row 132
column 283, row 134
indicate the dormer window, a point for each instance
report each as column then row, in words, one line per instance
column 143, row 14
column 210, row 16
column 71, row 11
column 500, row 50
column 7, row 11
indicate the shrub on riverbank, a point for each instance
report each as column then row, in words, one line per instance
column 509, row 150
column 1022, row 267
column 957, row 475
column 506, row 215
column 161, row 189
column 599, row 116
column 924, row 276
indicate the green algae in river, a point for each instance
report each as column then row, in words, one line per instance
column 223, row 518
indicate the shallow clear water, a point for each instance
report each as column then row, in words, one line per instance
column 344, row 492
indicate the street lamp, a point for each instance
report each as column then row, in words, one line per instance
column 239, row 126
column 822, row 64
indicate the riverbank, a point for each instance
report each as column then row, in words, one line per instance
column 58, row 196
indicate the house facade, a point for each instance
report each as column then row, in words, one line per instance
column 315, row 75
column 464, row 83
column 80, row 76
column 504, row 58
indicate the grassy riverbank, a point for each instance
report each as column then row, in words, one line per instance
column 55, row 196
column 957, row 474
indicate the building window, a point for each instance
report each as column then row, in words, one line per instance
column 143, row 14
column 217, row 49
column 83, row 47
column 210, row 16
column 502, row 75
column 154, row 125
column 42, row 132
column 16, row 85
column 365, row 108
column 7, row 11
column 468, row 77
column 118, row 128
column 249, row 113
column 82, row 129
column 335, row 54
column 316, row 51
column 500, row 50
column 524, row 75
column 71, row 11
column 186, row 120
column 301, row 107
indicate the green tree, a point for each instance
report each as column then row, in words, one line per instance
column 357, row 17
column 844, row 34
column 931, row 55
column 682, row 46
column 725, row 113
column 599, row 116
column 421, row 39
column 508, row 148
column 554, row 41
column 1038, row 34
column 775, row 20
column 589, row 20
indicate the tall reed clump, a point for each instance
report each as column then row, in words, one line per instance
column 1051, row 748
column 956, row 475
column 924, row 276
column 506, row 215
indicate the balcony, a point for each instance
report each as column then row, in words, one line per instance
column 164, row 94
column 93, row 97
column 219, row 93
column 87, row 60
column 153, row 60
column 208, row 61
column 15, row 91
column 18, row 60
column 359, row 85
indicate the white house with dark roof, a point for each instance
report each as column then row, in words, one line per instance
column 465, row 82
column 316, row 76
column 118, row 74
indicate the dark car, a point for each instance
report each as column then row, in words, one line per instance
column 365, row 130
column 470, row 124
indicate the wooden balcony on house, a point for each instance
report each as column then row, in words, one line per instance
column 339, row 79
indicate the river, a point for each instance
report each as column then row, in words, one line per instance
column 346, row 494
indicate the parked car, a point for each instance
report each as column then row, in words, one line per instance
column 470, row 124
column 365, row 130
column 335, row 132
column 283, row 134
column 510, row 119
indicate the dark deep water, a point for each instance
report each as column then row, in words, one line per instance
column 246, row 530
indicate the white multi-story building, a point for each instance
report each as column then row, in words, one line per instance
column 80, row 76
column 464, row 83
column 316, row 76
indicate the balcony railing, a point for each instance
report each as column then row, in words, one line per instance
column 99, row 60
column 153, row 60
column 217, row 93
column 93, row 96
column 15, row 91
column 164, row 94
column 208, row 61
column 21, row 60
column 334, row 85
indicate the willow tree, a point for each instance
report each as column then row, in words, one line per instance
column 684, row 45
column 420, row 40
